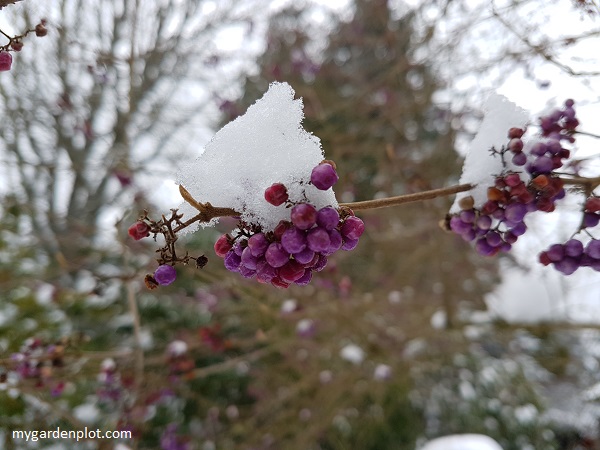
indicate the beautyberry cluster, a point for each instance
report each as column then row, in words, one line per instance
column 37, row 361
column 16, row 44
column 572, row 255
column 498, row 223
column 297, row 247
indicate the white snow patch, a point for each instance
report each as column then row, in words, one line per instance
column 87, row 413
column 463, row 442
column 352, row 353
column 264, row 146
column 480, row 166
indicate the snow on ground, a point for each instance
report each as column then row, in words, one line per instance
column 463, row 442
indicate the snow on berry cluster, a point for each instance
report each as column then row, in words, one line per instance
column 297, row 247
column 525, row 183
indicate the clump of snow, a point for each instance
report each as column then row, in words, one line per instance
column 463, row 442
column 353, row 353
column 264, row 146
column 480, row 166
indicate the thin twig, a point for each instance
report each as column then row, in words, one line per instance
column 407, row 198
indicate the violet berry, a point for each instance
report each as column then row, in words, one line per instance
column 276, row 194
column 165, row 274
column 5, row 61
column 304, row 216
column 138, row 230
column 352, row 228
column 323, row 176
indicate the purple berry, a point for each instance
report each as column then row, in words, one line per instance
column 304, row 216
column 515, row 212
column 350, row 244
column 592, row 249
column 275, row 255
column 484, row 248
column 590, row 220
column 519, row 159
column 165, row 275
column 556, row 252
column 305, row 256
column 323, row 176
column 335, row 242
column 519, row 229
column 232, row 261
column 543, row 164
column 318, row 239
column 493, row 238
column 248, row 259
column 573, row 248
column 352, row 228
column 567, row 266
column 328, row 218
column 458, row 226
column 293, row 240
column 467, row 216
column 246, row 271
column 484, row 222
column 304, row 279
column 538, row 149
column 320, row 264
column 258, row 244
column 265, row 272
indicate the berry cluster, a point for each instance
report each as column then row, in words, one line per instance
column 110, row 387
column 498, row 223
column 37, row 361
column 179, row 361
column 572, row 255
column 297, row 247
column 16, row 44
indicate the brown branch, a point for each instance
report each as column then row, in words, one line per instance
column 408, row 198
column 209, row 212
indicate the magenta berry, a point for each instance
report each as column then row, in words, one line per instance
column 165, row 275
column 5, row 61
column 352, row 228
column 139, row 230
column 276, row 194
column 223, row 245
column 324, row 176
column 304, row 216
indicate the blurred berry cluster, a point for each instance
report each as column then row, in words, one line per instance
column 15, row 44
column 498, row 223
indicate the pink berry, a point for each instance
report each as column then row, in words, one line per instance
column 276, row 194
column 222, row 246
column 5, row 61
column 139, row 230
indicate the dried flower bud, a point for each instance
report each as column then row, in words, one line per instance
column 201, row 261
column 17, row 45
column 150, row 282
column 466, row 203
column 40, row 29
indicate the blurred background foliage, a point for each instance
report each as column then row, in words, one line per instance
column 388, row 347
